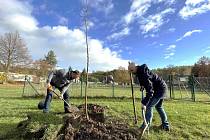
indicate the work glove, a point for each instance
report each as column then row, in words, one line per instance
column 142, row 88
column 143, row 107
column 61, row 97
column 49, row 87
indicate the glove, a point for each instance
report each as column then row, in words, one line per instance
column 61, row 97
column 142, row 88
column 145, row 100
column 143, row 107
column 49, row 87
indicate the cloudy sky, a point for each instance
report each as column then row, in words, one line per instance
column 155, row 32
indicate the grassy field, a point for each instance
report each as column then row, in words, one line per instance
column 189, row 120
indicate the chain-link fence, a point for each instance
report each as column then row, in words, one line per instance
column 179, row 87
column 31, row 88
column 188, row 87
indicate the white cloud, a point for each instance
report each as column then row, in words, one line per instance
column 138, row 13
column 90, row 24
column 68, row 44
column 171, row 47
column 170, row 51
column 138, row 8
column 16, row 15
column 168, row 55
column 154, row 22
column 171, row 29
column 63, row 20
column 105, row 6
column 118, row 35
column 194, row 7
column 115, row 46
column 189, row 33
column 207, row 50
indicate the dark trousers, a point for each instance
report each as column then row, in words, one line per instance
column 48, row 100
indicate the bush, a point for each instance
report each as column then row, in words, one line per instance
column 3, row 78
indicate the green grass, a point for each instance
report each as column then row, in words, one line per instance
column 189, row 120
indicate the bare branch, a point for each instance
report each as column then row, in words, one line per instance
column 13, row 51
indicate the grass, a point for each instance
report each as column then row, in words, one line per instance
column 189, row 120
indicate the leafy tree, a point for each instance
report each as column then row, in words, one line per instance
column 50, row 58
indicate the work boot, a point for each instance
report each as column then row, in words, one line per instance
column 45, row 111
column 165, row 128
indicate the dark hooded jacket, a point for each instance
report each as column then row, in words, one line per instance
column 154, row 85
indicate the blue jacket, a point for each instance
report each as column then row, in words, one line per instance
column 153, row 84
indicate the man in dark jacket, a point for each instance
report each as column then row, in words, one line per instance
column 61, row 80
column 156, row 89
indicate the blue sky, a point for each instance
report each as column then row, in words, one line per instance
column 156, row 32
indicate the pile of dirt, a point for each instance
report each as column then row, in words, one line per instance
column 95, row 112
column 93, row 108
column 77, row 127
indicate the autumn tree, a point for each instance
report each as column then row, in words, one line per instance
column 121, row 76
column 13, row 51
column 202, row 67
column 42, row 68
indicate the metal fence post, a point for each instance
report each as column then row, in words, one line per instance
column 192, row 81
column 113, row 89
column 169, row 78
column 172, row 86
column 81, row 87
column 24, row 86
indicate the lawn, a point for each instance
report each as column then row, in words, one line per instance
column 189, row 120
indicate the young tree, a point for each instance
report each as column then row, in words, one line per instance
column 85, row 19
column 13, row 51
column 50, row 58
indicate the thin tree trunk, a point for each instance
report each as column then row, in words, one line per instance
column 86, row 40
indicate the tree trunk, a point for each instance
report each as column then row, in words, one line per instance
column 86, row 40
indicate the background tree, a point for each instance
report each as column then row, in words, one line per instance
column 202, row 67
column 42, row 67
column 13, row 51
column 50, row 58
column 83, row 75
column 121, row 76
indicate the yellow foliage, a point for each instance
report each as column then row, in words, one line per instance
column 3, row 77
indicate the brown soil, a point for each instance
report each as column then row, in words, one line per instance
column 77, row 127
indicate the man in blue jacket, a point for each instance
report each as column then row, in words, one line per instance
column 156, row 89
column 61, row 80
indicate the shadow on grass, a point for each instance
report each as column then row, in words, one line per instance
column 9, row 131
column 35, row 124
